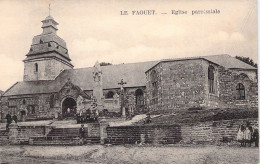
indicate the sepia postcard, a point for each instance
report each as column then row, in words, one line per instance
column 129, row 81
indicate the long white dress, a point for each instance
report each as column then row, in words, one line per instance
column 247, row 134
column 240, row 135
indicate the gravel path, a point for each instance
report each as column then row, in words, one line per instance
column 128, row 154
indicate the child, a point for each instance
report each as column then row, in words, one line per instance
column 240, row 135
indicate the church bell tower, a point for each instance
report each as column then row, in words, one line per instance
column 48, row 54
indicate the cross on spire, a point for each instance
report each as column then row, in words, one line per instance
column 49, row 9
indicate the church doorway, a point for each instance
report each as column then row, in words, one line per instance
column 69, row 108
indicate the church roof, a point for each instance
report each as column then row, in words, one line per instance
column 228, row 62
column 224, row 60
column 132, row 73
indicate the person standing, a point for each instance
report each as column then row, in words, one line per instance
column 240, row 135
column 15, row 118
column 9, row 120
column 82, row 133
column 248, row 136
column 255, row 136
column 68, row 112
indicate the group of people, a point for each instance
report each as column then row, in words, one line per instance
column 87, row 116
column 248, row 135
column 70, row 112
column 9, row 120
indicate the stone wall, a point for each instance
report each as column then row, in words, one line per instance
column 213, row 132
column 26, row 132
column 35, row 106
column 43, row 106
column 184, row 84
column 154, row 100
column 93, row 130
column 48, row 69
column 228, row 80
column 131, row 100
column 203, row 132
column 114, row 104
column 181, row 84
column 155, row 134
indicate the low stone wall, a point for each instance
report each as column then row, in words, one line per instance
column 211, row 132
column 155, row 134
column 216, row 131
column 93, row 130
column 25, row 132
column 203, row 132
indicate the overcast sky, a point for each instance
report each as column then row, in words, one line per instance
column 95, row 30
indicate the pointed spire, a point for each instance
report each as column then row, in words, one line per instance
column 49, row 24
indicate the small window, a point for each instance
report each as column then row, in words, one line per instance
column 211, row 79
column 24, row 102
column 51, row 101
column 58, row 47
column 110, row 95
column 36, row 67
column 139, row 97
column 31, row 49
column 154, row 82
column 240, row 91
column 49, row 44
column 41, row 42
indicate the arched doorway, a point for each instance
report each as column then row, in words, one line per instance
column 139, row 100
column 69, row 107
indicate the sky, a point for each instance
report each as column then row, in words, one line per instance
column 94, row 31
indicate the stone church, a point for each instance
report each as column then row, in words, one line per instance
column 51, row 86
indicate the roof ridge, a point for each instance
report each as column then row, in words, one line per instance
column 10, row 88
column 115, row 65
column 193, row 57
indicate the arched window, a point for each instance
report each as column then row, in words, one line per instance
column 139, row 97
column 240, row 91
column 109, row 95
column 154, row 82
column 243, row 75
column 36, row 67
column 211, row 79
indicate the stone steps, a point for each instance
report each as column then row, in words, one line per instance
column 3, row 137
column 67, row 132
column 92, row 140
column 22, row 137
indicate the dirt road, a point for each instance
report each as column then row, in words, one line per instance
column 128, row 154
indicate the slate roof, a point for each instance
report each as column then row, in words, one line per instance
column 228, row 62
column 224, row 60
column 132, row 73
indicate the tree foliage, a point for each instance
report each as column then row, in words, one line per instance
column 105, row 64
column 247, row 60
